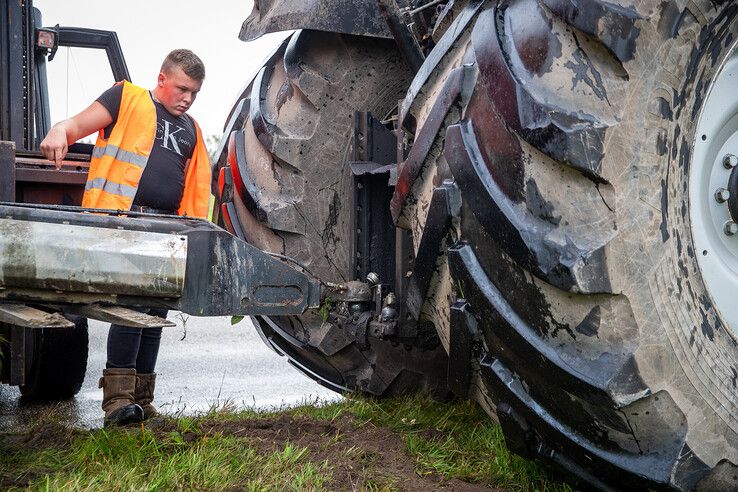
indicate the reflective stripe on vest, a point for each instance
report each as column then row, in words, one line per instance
column 110, row 187
column 119, row 155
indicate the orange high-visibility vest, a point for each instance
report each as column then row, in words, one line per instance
column 118, row 162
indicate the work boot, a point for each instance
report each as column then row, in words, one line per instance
column 118, row 403
column 144, row 394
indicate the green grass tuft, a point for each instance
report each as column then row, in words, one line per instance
column 445, row 440
column 455, row 440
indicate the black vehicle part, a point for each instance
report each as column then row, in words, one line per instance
column 341, row 16
column 288, row 163
column 83, row 37
column 567, row 127
column 16, row 83
column 372, row 164
column 78, row 37
column 405, row 39
column 56, row 361
column 24, row 111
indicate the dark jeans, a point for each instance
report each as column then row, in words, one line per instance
column 134, row 348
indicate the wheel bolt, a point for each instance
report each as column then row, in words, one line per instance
column 730, row 228
column 372, row 278
column 730, row 161
column 722, row 195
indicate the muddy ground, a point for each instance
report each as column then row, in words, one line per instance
column 358, row 453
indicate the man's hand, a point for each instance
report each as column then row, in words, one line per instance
column 54, row 146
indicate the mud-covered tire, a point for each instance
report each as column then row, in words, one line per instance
column 287, row 189
column 56, row 361
column 568, row 129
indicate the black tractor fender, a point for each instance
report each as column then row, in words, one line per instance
column 359, row 17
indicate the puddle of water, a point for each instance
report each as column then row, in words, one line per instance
column 206, row 363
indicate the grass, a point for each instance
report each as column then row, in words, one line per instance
column 464, row 443
column 444, row 441
column 119, row 460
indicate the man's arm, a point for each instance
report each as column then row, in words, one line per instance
column 54, row 146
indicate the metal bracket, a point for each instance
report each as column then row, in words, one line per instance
column 358, row 328
column 373, row 170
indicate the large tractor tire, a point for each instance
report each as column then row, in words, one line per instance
column 586, row 140
column 292, row 194
column 56, row 361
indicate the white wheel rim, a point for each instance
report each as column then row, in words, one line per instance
column 716, row 136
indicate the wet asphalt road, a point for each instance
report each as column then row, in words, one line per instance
column 216, row 364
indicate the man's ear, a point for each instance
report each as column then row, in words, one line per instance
column 161, row 79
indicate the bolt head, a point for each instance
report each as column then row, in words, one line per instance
column 388, row 313
column 372, row 278
column 730, row 161
column 722, row 195
column 730, row 228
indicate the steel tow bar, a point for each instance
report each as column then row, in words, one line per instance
column 69, row 256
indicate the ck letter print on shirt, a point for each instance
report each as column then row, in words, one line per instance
column 166, row 134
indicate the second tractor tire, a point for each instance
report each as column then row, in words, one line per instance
column 292, row 195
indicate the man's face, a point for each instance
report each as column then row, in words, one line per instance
column 177, row 90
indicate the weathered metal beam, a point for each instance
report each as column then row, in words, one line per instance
column 58, row 255
column 28, row 317
column 64, row 257
column 51, row 176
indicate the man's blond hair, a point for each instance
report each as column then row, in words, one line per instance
column 190, row 63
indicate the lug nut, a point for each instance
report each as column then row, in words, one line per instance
column 730, row 228
column 388, row 313
column 722, row 195
column 356, row 307
column 730, row 161
column 372, row 278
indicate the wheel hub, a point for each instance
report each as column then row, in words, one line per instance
column 729, row 194
column 730, row 162
column 713, row 192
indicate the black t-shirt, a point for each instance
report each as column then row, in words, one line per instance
column 162, row 182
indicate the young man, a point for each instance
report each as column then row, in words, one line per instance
column 149, row 157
